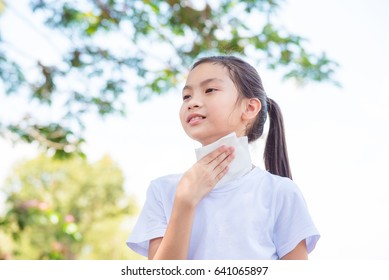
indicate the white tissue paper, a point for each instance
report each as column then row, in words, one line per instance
column 240, row 165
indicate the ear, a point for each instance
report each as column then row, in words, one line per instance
column 252, row 108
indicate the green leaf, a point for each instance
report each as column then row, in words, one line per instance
column 108, row 48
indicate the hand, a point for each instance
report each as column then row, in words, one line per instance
column 200, row 179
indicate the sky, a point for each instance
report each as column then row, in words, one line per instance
column 337, row 137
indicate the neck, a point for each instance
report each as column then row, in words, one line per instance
column 241, row 164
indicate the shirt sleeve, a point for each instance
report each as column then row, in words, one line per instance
column 293, row 221
column 152, row 222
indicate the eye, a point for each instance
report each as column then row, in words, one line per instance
column 210, row 90
column 185, row 97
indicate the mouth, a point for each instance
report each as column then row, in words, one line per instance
column 194, row 118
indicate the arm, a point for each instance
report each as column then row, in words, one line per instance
column 298, row 253
column 195, row 184
column 175, row 244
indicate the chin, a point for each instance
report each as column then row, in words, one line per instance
column 197, row 138
column 205, row 139
column 208, row 140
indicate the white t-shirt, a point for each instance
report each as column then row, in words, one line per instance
column 258, row 216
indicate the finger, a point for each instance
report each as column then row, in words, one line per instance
column 220, row 168
column 214, row 154
column 221, row 174
column 220, row 158
column 223, row 167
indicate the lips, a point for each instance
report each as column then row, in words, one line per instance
column 194, row 118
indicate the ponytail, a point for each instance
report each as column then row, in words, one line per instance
column 276, row 154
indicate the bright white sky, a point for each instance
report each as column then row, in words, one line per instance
column 337, row 137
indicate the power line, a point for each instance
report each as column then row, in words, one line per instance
column 31, row 25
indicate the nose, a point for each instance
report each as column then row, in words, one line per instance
column 194, row 102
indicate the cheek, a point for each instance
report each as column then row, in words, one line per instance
column 181, row 115
column 234, row 117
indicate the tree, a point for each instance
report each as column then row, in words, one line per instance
column 110, row 47
column 66, row 209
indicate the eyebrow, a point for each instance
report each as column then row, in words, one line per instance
column 202, row 83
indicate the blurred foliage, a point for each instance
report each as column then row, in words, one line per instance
column 109, row 47
column 66, row 209
column 2, row 6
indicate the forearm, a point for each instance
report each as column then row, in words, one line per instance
column 176, row 241
column 298, row 253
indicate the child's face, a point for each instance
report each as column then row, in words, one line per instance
column 210, row 109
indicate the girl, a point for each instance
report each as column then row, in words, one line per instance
column 223, row 207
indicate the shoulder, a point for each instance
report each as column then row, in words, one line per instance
column 277, row 187
column 167, row 180
column 273, row 182
column 165, row 184
column 287, row 196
